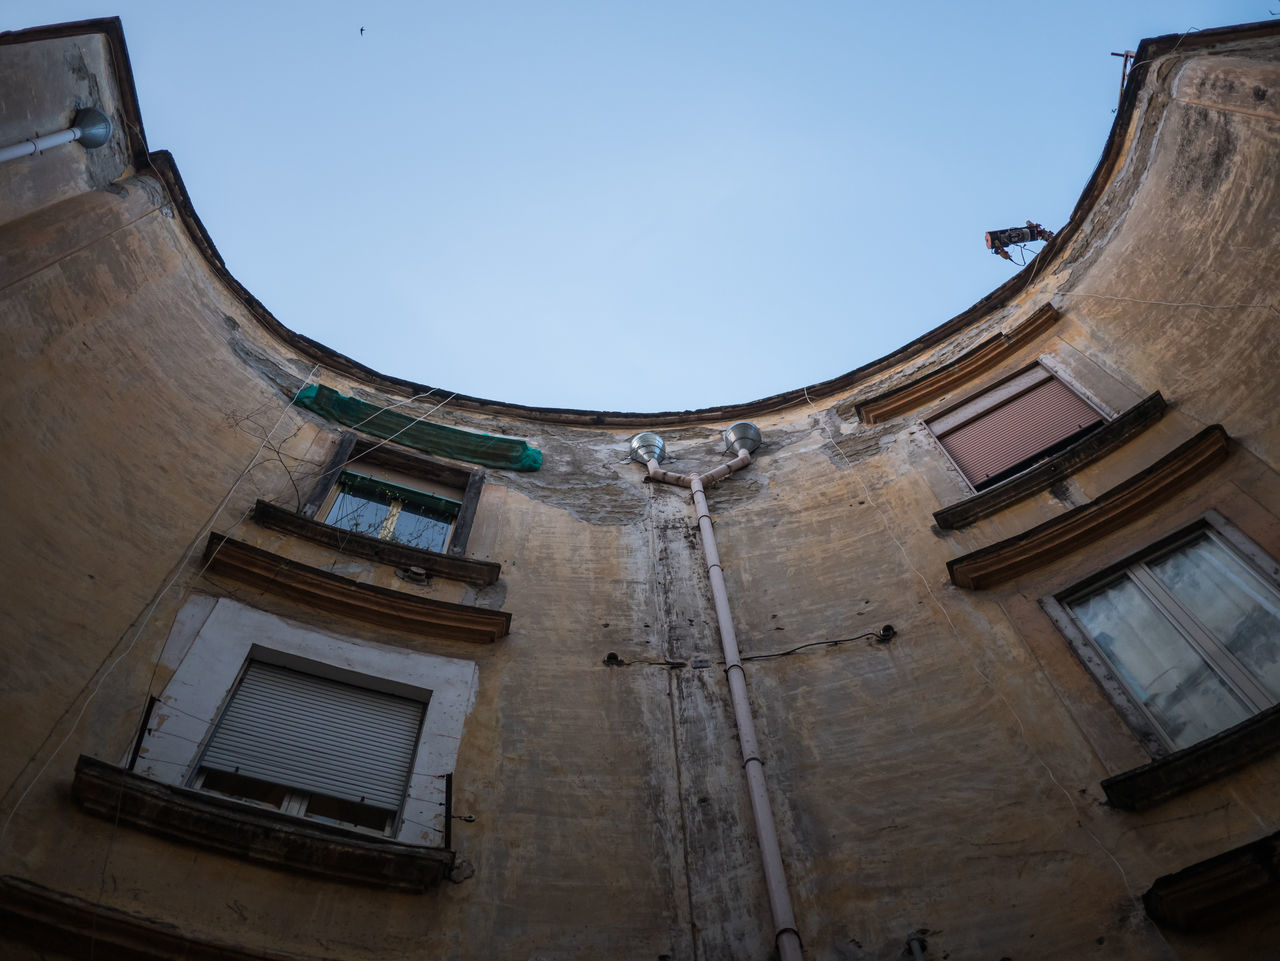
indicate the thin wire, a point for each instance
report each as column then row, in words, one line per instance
column 146, row 618
column 1166, row 303
column 801, row 647
column 956, row 633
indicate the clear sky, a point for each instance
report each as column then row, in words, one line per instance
column 626, row 206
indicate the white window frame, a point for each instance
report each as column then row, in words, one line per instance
column 212, row 640
column 1126, row 703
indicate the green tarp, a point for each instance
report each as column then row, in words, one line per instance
column 507, row 453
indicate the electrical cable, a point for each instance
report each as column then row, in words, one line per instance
column 146, row 619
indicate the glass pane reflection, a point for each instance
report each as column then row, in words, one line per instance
column 1158, row 664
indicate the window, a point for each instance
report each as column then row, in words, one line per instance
column 1189, row 631
column 314, row 748
column 391, row 512
column 395, row 495
column 1008, row 428
column 282, row 715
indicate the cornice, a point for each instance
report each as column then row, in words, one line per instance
column 1083, row 525
column 161, row 164
column 341, row 595
column 71, row 927
column 990, row 353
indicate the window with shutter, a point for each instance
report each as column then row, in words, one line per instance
column 1006, row 429
column 313, row 747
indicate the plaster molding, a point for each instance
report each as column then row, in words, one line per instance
column 75, row 928
column 341, row 595
column 1083, row 525
column 990, row 353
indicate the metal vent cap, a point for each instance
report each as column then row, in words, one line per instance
column 742, row 436
column 648, row 446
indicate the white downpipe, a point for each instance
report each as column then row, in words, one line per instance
column 786, row 936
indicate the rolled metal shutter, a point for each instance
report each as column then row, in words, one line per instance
column 1018, row 429
column 317, row 735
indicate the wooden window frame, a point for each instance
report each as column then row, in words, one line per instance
column 355, row 450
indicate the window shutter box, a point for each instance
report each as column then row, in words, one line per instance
column 317, row 735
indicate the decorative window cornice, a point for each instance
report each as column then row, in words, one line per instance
column 1221, row 889
column 1083, row 525
column 992, row 351
column 341, row 595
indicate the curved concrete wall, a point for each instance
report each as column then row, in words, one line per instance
column 947, row 781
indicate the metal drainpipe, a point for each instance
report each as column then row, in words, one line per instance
column 786, row 936
column 91, row 127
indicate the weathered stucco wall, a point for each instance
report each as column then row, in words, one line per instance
column 947, row 780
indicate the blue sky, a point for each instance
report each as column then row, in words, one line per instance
column 645, row 206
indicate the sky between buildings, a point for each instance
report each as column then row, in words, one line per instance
column 626, row 206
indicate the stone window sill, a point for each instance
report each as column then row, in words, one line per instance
column 450, row 567
column 1175, row 773
column 260, row 836
column 1081, row 526
column 1221, row 889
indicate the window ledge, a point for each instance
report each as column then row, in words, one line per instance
column 341, row 595
column 1083, row 525
column 264, row 837
column 1044, row 475
column 992, row 351
column 473, row 572
column 1218, row 890
column 1171, row 775
column 67, row 926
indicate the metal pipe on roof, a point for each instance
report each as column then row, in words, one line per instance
column 90, row 126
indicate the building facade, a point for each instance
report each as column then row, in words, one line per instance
column 302, row 663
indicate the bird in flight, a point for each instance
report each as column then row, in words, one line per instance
column 362, row 31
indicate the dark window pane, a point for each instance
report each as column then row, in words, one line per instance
column 1231, row 601
column 337, row 811
column 246, row 788
column 1160, row 667
column 361, row 514
column 421, row 527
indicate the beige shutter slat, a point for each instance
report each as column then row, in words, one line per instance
column 1021, row 428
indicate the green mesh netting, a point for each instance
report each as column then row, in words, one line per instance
column 507, row 453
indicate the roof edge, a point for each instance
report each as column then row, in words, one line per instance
column 162, row 164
